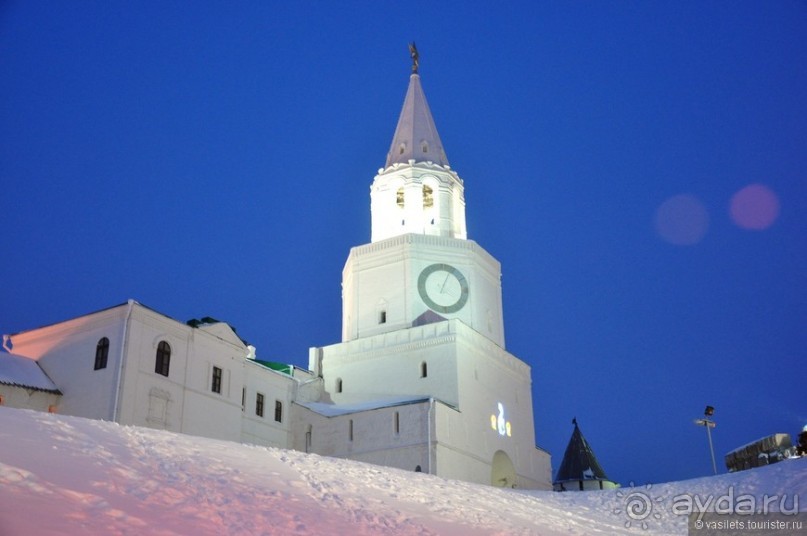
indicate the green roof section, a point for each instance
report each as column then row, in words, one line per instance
column 280, row 367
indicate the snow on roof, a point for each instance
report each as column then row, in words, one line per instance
column 769, row 442
column 334, row 410
column 24, row 372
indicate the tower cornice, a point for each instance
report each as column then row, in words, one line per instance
column 427, row 166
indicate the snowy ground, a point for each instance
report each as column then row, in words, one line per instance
column 65, row 475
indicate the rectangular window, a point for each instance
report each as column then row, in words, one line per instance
column 397, row 423
column 278, row 411
column 382, row 317
column 243, row 398
column 216, row 386
column 350, row 430
column 259, row 405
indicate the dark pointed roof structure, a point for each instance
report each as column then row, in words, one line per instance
column 416, row 135
column 579, row 461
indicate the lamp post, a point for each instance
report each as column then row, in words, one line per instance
column 709, row 424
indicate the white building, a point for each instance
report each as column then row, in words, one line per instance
column 421, row 380
column 133, row 365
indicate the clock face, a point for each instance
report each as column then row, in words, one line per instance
column 443, row 288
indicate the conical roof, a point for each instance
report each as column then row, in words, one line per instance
column 579, row 461
column 416, row 136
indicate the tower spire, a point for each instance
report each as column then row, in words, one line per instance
column 416, row 136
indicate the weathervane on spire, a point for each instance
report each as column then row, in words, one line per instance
column 413, row 51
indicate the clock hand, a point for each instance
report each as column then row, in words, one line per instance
column 443, row 286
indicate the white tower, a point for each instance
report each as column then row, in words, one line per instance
column 419, row 261
column 416, row 191
column 421, row 379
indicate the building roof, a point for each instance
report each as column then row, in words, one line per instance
column 69, row 319
column 24, row 372
column 283, row 368
column 416, row 136
column 334, row 410
column 579, row 461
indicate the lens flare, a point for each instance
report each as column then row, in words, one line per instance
column 755, row 207
column 682, row 220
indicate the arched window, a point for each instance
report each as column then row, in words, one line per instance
column 431, row 204
column 428, row 197
column 418, row 469
column 399, row 197
column 101, row 353
column 424, row 370
column 163, row 361
column 339, row 385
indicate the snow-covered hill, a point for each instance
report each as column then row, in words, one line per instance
column 66, row 475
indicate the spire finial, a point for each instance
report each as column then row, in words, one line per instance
column 413, row 51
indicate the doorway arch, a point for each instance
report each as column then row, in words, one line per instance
column 502, row 471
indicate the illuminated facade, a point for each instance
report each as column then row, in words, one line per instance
column 421, row 379
column 132, row 365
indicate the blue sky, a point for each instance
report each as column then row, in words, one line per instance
column 214, row 159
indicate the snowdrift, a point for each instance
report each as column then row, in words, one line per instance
column 66, row 475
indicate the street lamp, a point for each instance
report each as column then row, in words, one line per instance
column 709, row 424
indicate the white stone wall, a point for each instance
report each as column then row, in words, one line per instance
column 375, row 438
column 464, row 370
column 147, row 398
column 390, row 364
column 66, row 352
column 13, row 396
column 183, row 401
column 265, row 430
column 384, row 275
column 489, row 376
